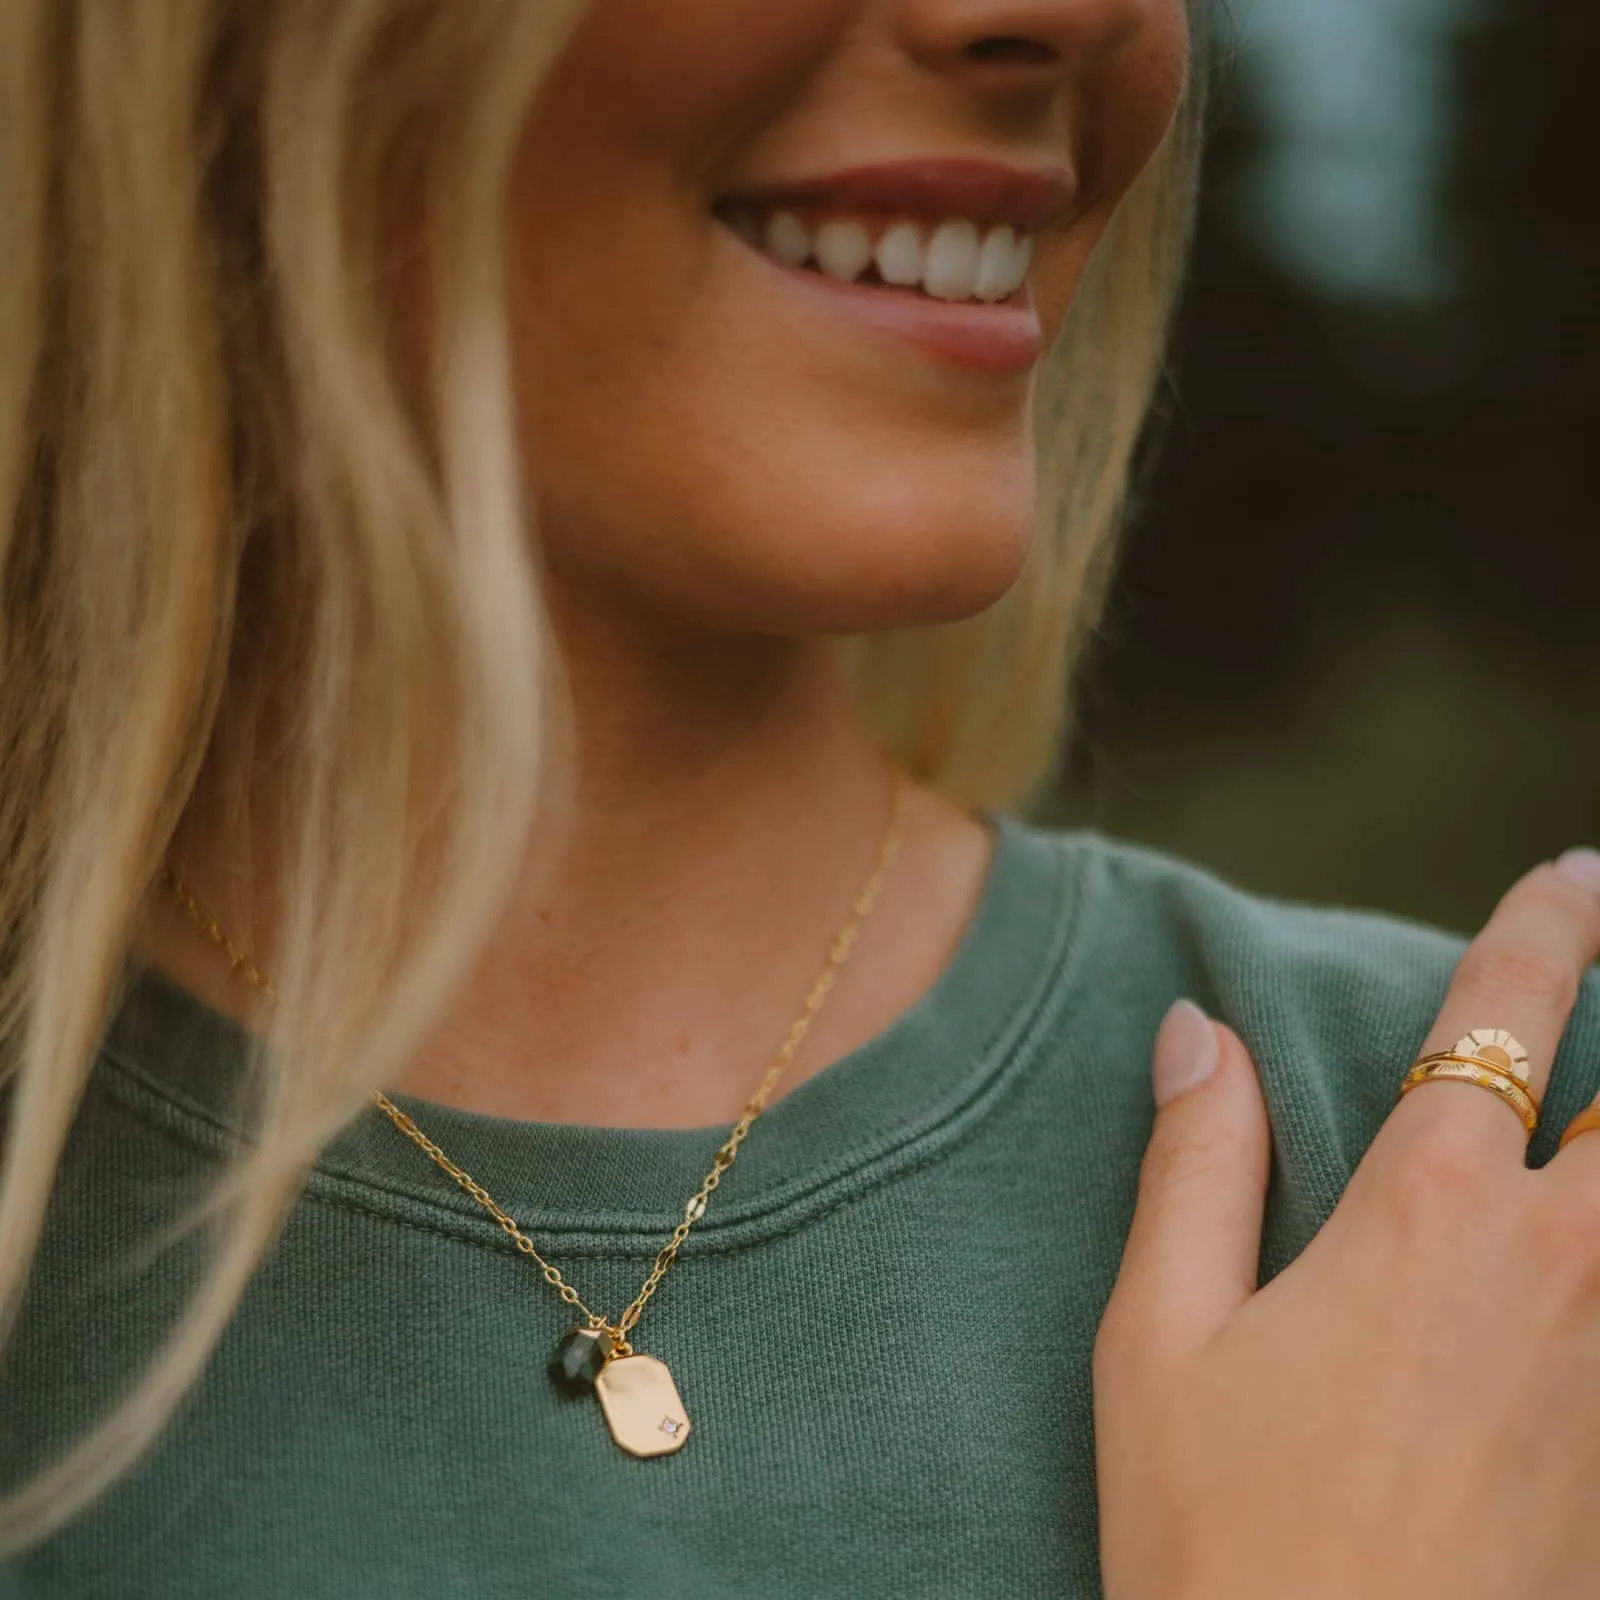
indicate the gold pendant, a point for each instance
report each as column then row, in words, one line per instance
column 642, row 1405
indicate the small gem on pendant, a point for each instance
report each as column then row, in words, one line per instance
column 670, row 1425
column 580, row 1358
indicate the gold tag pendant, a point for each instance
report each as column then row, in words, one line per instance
column 642, row 1405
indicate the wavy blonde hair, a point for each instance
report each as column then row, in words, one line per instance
column 215, row 477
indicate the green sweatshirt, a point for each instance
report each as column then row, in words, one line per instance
column 881, row 1329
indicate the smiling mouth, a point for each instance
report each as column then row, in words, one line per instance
column 933, row 252
column 957, row 230
column 954, row 260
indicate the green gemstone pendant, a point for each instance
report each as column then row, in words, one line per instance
column 641, row 1403
column 580, row 1358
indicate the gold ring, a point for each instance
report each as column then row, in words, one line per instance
column 1472, row 1061
column 1585, row 1122
column 1497, row 1081
column 1496, row 1047
column 1482, row 1064
column 1492, row 1047
column 1466, row 1068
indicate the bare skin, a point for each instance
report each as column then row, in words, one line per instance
column 704, row 879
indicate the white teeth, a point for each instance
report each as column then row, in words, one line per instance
column 788, row 238
column 952, row 269
column 900, row 259
column 1002, row 264
column 843, row 248
column 959, row 261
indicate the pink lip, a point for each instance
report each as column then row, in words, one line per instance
column 985, row 192
column 1001, row 337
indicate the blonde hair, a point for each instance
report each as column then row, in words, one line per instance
column 219, row 472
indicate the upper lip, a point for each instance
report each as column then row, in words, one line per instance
column 986, row 192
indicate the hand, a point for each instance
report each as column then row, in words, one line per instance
column 1412, row 1408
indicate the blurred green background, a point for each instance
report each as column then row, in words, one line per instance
column 1350, row 656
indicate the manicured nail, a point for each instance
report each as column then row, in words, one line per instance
column 1581, row 867
column 1186, row 1052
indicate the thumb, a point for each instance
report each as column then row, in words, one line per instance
column 1192, row 1252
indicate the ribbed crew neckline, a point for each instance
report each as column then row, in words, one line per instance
column 898, row 1098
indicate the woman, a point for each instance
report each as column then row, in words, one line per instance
column 443, row 447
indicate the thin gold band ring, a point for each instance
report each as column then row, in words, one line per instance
column 1496, row 1080
column 1585, row 1122
column 1474, row 1061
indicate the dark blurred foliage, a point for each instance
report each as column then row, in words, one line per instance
column 1351, row 652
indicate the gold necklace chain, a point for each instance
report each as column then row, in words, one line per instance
column 843, row 943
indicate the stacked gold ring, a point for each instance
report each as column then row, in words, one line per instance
column 1585, row 1122
column 1491, row 1059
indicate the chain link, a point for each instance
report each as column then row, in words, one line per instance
column 843, row 944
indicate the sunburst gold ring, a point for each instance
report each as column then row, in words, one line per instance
column 1496, row 1048
column 1585, row 1122
column 1472, row 1061
column 1497, row 1080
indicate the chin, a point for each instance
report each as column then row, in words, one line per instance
column 939, row 576
column 927, row 538
column 928, row 548
column 816, row 534
column 868, row 577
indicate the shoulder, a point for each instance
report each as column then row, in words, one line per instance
column 1333, row 1003
column 1275, row 964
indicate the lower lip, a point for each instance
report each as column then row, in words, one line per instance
column 1003, row 337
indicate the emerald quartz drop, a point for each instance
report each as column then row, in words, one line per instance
column 580, row 1358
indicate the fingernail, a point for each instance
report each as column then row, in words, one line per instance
column 1581, row 867
column 1186, row 1051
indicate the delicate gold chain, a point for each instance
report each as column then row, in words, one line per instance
column 843, row 943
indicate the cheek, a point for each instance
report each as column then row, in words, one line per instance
column 734, row 485
column 686, row 81
column 1118, row 123
column 1128, row 105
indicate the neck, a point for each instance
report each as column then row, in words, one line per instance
column 727, row 806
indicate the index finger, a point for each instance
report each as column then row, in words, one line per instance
column 1521, row 975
